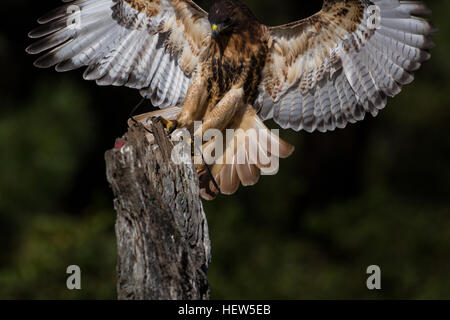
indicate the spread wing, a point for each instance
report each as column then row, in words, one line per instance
column 150, row 45
column 335, row 66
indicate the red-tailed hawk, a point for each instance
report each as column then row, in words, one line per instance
column 232, row 72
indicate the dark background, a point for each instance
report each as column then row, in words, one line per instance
column 374, row 193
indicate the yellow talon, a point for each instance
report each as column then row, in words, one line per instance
column 170, row 126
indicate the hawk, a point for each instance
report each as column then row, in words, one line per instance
column 228, row 70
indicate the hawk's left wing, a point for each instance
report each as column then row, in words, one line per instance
column 333, row 67
column 150, row 45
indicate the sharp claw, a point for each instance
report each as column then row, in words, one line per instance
column 170, row 126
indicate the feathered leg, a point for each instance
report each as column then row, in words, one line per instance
column 223, row 113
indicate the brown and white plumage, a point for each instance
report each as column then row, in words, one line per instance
column 319, row 73
column 332, row 68
column 153, row 46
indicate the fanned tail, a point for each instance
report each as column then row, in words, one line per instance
column 251, row 150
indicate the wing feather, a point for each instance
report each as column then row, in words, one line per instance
column 335, row 66
column 150, row 45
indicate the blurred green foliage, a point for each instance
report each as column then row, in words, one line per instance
column 374, row 193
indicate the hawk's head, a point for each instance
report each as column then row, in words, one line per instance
column 229, row 16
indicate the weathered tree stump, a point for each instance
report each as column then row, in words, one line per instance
column 162, row 233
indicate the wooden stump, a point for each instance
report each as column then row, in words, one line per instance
column 162, row 232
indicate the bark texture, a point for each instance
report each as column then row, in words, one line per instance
column 162, row 233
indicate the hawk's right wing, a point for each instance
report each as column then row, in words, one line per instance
column 150, row 45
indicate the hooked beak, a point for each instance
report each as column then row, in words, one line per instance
column 218, row 28
column 215, row 30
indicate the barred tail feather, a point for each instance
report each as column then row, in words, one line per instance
column 252, row 150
